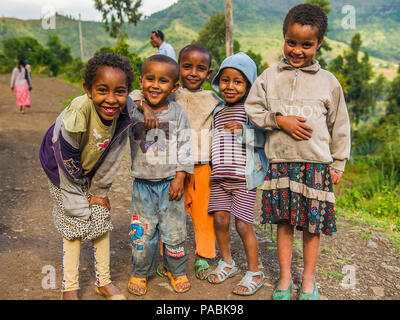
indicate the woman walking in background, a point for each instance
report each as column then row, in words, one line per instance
column 21, row 85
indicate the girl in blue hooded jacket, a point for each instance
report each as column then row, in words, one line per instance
column 238, row 167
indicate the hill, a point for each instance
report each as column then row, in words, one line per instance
column 258, row 25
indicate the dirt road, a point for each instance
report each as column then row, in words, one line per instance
column 351, row 265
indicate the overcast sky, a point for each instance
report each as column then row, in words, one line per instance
column 35, row 9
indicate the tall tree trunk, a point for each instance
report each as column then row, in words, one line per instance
column 229, row 27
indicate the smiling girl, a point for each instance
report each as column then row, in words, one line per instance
column 238, row 167
column 303, row 108
column 81, row 154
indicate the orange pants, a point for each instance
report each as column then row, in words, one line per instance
column 197, row 195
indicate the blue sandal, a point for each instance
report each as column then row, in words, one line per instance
column 222, row 274
column 247, row 282
column 282, row 294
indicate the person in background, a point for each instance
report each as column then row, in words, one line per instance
column 157, row 41
column 21, row 85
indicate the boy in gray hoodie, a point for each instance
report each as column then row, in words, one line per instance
column 303, row 108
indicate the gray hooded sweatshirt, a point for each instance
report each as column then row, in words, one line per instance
column 309, row 92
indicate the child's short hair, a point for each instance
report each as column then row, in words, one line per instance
column 307, row 14
column 195, row 47
column 108, row 60
column 163, row 59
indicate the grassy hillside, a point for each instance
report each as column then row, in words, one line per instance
column 258, row 25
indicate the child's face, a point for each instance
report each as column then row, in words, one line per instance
column 232, row 85
column 194, row 68
column 109, row 92
column 157, row 82
column 301, row 44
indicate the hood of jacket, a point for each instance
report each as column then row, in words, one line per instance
column 239, row 61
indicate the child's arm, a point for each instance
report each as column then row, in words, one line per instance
column 234, row 127
column 295, row 127
column 150, row 120
column 176, row 188
column 338, row 123
column 260, row 114
column 185, row 162
column 104, row 202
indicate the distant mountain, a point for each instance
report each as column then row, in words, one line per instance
column 258, row 26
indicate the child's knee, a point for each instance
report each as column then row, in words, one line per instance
column 221, row 220
column 243, row 228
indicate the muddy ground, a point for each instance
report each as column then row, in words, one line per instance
column 356, row 263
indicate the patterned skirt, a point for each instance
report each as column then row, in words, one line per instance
column 72, row 228
column 301, row 193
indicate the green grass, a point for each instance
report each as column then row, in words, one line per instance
column 342, row 261
column 331, row 274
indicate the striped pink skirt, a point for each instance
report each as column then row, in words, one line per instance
column 22, row 96
column 232, row 196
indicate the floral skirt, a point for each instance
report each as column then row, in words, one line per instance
column 301, row 193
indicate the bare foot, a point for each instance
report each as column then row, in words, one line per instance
column 70, row 295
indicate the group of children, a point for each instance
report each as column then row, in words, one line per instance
column 286, row 131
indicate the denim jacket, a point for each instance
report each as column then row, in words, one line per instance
column 256, row 160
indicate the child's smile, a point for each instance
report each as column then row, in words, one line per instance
column 232, row 85
column 157, row 83
column 109, row 92
column 194, row 67
column 301, row 44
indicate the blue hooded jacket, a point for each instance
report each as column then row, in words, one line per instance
column 253, row 137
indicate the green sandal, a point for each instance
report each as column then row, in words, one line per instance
column 161, row 271
column 309, row 296
column 282, row 294
column 202, row 265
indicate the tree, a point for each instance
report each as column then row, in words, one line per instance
column 229, row 27
column 361, row 94
column 213, row 36
column 116, row 13
column 393, row 97
column 62, row 53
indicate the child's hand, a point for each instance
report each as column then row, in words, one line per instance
column 234, row 127
column 295, row 127
column 336, row 175
column 104, row 202
column 150, row 120
column 176, row 188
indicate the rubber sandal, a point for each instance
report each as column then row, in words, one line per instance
column 118, row 296
column 140, row 282
column 309, row 296
column 201, row 265
column 282, row 294
column 178, row 280
column 222, row 274
column 247, row 282
column 161, row 271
